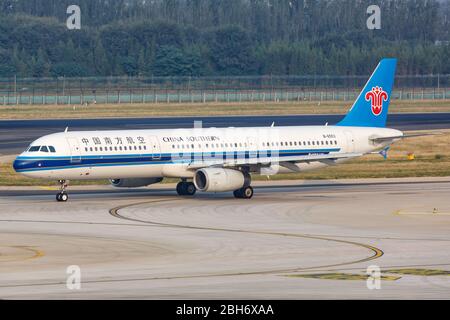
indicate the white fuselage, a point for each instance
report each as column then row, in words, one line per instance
column 168, row 152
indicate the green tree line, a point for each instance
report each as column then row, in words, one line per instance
column 221, row 37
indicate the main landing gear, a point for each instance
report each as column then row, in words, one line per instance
column 62, row 195
column 185, row 188
column 243, row 193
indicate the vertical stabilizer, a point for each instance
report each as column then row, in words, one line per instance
column 371, row 107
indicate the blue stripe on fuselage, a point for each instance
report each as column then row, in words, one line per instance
column 27, row 164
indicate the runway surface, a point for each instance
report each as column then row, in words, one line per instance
column 15, row 135
column 296, row 241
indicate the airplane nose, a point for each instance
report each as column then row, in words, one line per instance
column 20, row 164
column 17, row 165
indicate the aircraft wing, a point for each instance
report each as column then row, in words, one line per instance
column 283, row 161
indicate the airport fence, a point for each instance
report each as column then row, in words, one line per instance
column 101, row 90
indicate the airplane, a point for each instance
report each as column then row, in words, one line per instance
column 215, row 159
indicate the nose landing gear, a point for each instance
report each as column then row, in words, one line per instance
column 62, row 195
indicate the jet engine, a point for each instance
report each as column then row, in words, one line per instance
column 219, row 179
column 134, row 182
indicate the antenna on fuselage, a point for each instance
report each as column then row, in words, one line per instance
column 67, row 129
column 272, row 125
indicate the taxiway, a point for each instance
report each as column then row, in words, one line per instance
column 293, row 240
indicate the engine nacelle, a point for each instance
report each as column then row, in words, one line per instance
column 219, row 180
column 134, row 182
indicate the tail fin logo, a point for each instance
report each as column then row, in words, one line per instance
column 376, row 96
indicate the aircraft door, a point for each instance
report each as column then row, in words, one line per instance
column 75, row 151
column 252, row 147
column 350, row 141
column 154, row 147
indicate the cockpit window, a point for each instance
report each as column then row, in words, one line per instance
column 44, row 149
column 52, row 149
column 34, row 148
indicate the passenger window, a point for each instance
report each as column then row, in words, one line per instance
column 34, row 149
column 145, row 147
column 86, row 149
column 44, row 149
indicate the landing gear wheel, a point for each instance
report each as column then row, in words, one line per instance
column 62, row 197
column 243, row 193
column 186, row 188
column 180, row 188
column 247, row 192
column 190, row 189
